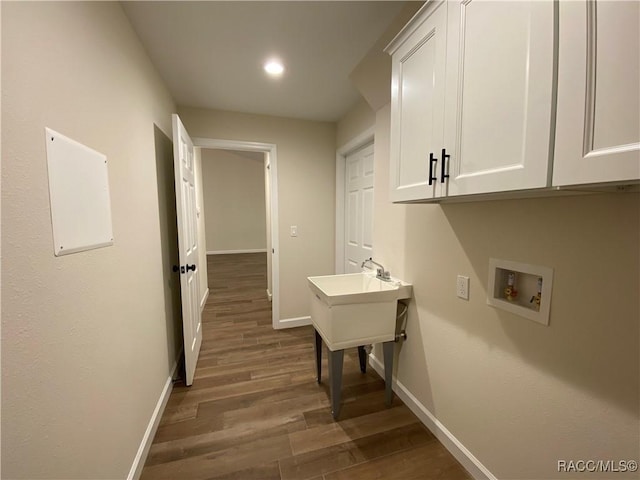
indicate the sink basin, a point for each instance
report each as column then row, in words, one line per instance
column 355, row 309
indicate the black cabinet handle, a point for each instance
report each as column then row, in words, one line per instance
column 191, row 267
column 444, row 175
column 432, row 160
column 176, row 269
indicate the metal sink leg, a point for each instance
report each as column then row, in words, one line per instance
column 387, row 348
column 335, row 380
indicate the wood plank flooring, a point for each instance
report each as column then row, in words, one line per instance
column 255, row 410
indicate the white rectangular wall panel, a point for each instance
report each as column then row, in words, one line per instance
column 79, row 195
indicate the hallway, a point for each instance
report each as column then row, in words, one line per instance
column 255, row 410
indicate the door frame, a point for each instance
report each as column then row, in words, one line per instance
column 271, row 150
column 359, row 141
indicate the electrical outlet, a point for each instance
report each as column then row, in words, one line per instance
column 462, row 287
column 294, row 230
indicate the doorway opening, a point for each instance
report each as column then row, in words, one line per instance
column 256, row 224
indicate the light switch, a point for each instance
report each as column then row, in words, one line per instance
column 294, row 230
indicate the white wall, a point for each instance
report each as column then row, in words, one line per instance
column 356, row 121
column 520, row 396
column 306, row 191
column 234, row 201
column 370, row 75
column 86, row 343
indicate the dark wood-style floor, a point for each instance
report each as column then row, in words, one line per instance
column 255, row 410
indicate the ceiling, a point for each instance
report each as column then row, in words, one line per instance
column 210, row 54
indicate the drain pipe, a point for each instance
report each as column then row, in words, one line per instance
column 402, row 313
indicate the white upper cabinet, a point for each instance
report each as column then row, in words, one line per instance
column 598, row 109
column 417, row 105
column 471, row 97
column 498, row 98
column 485, row 87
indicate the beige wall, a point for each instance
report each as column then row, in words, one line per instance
column 306, row 191
column 520, row 396
column 371, row 76
column 357, row 121
column 87, row 342
column 234, row 201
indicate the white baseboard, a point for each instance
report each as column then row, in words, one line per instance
column 294, row 322
column 451, row 443
column 204, row 300
column 145, row 445
column 226, row 252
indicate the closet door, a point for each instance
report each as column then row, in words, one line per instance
column 358, row 213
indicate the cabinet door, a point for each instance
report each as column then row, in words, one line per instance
column 417, row 106
column 499, row 95
column 598, row 118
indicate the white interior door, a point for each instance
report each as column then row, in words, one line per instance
column 267, row 202
column 183, row 159
column 358, row 208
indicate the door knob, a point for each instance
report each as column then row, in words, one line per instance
column 184, row 269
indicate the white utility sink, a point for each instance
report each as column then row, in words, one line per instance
column 355, row 309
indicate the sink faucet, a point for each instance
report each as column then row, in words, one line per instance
column 381, row 273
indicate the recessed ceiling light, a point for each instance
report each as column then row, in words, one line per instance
column 274, row 68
